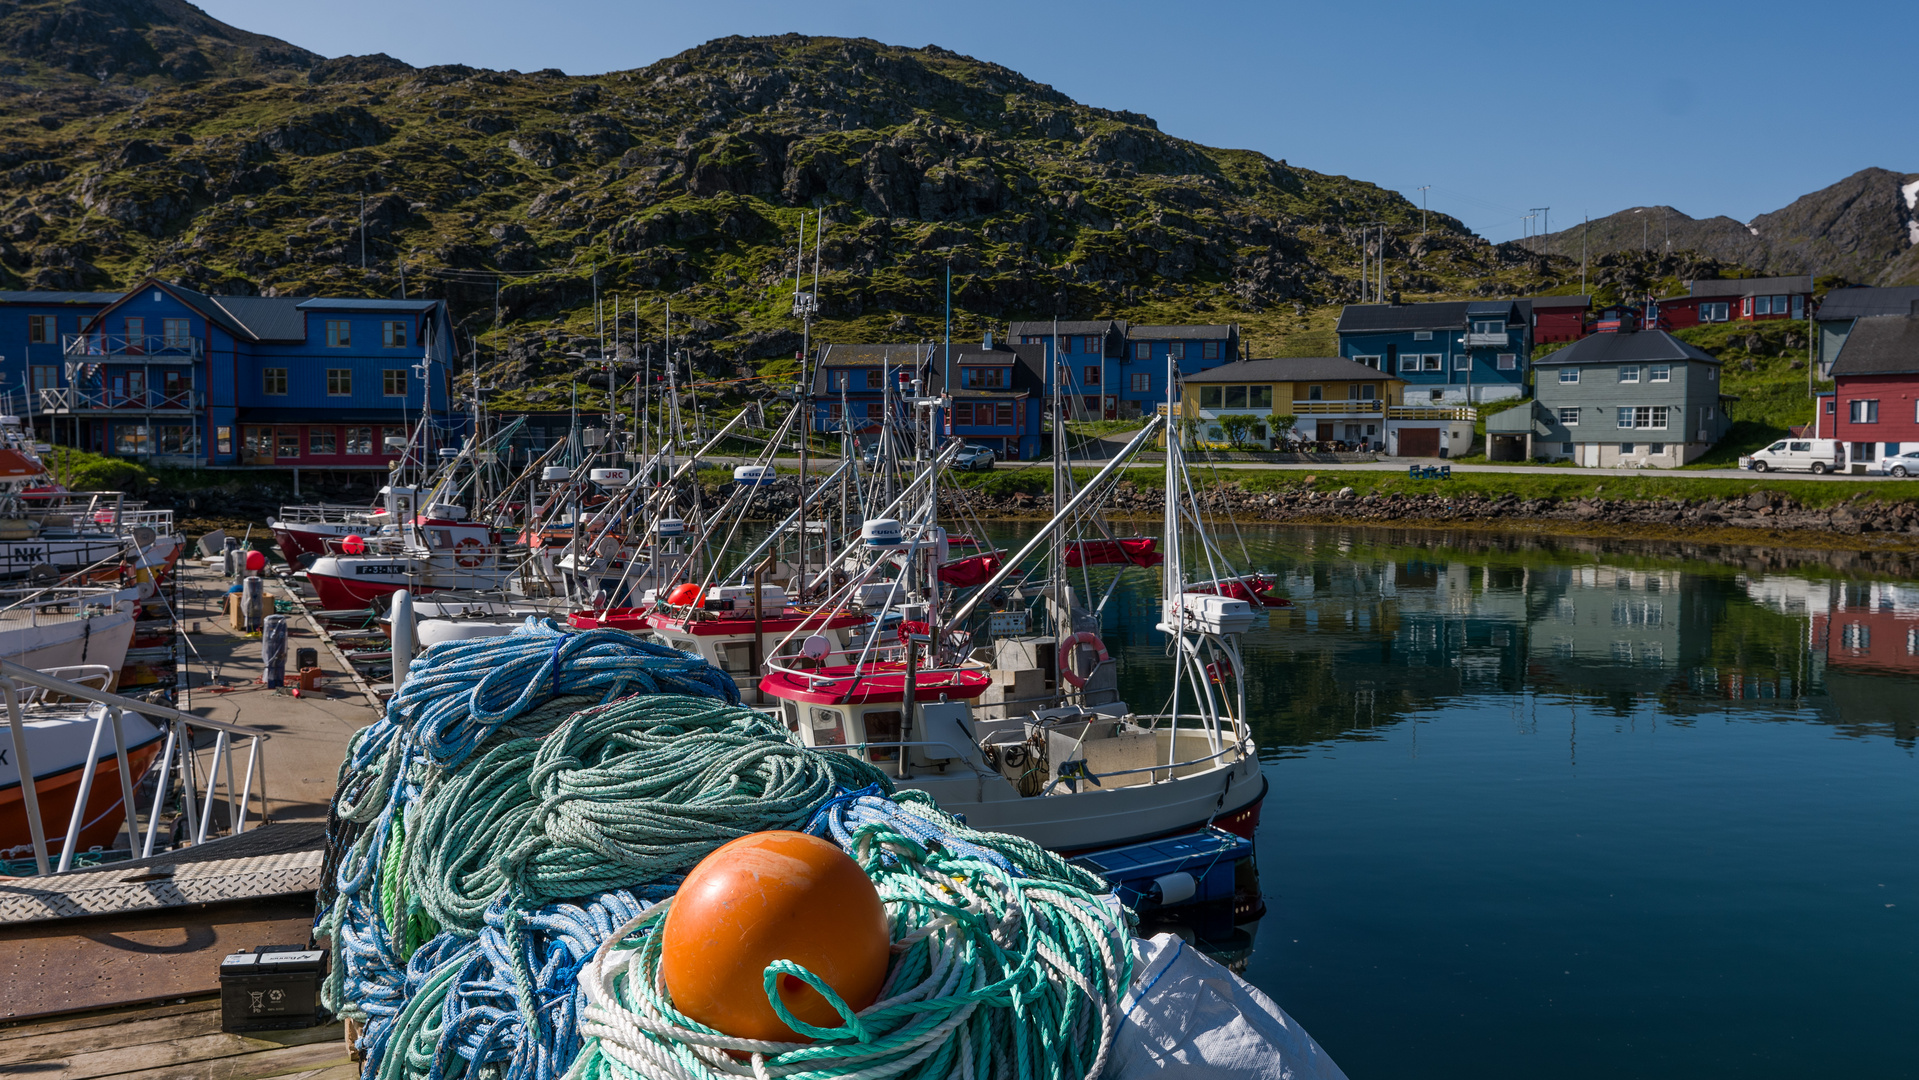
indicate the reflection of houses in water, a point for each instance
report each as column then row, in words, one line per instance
column 1870, row 626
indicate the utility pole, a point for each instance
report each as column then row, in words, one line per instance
column 1539, row 212
column 1422, row 207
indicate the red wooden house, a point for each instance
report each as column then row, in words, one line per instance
column 1876, row 388
column 1738, row 299
column 1560, row 318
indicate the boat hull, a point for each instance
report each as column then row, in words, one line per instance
column 358, row 581
column 309, row 537
column 58, row 750
column 102, row 639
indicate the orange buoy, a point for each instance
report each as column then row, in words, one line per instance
column 687, row 595
column 765, row 897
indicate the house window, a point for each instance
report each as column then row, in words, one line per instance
column 1368, row 392
column 176, row 333
column 1745, row 308
column 1798, row 307
column 1409, row 362
column 1463, row 362
column 1864, row 451
column 1569, row 416
column 1142, row 382
column 1717, row 312
column 1863, row 411
column 1778, row 305
column 273, row 381
column 1656, row 448
column 1092, row 375
column 322, row 441
column 131, row 439
column 259, row 441
column 339, row 382
column 1176, row 350
column 393, row 334
column 1662, row 373
column 1369, row 361
column 1508, row 361
column 1422, row 335
column 1626, row 416
column 1211, row 397
column 359, row 440
column 136, row 332
column 1659, row 413
column 1568, row 375
column 875, row 379
column 1142, row 350
column 288, row 443
column 1236, row 397
column 223, row 440
column 1209, row 351
column 1435, row 362
column 45, row 377
column 1762, row 305
column 1315, row 393
column 1489, row 326
column 339, row 334
column 40, row 329
column 986, row 378
column 1651, row 418
column 1065, row 344
column 1856, row 636
column 1629, row 373
column 393, row 382
column 837, row 380
column 1259, row 397
column 1566, row 448
column 1093, row 346
column 1625, row 447
column 1005, row 415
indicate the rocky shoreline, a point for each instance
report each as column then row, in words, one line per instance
column 1859, row 519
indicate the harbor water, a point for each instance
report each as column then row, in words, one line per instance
column 1576, row 808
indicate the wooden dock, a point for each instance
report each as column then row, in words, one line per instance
column 180, row 1040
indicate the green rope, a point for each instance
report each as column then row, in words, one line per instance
column 613, row 796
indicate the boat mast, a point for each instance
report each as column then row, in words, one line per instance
column 1059, row 493
column 1171, row 583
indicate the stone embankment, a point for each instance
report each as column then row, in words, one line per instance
column 1759, row 510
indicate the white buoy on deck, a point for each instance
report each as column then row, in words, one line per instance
column 400, row 619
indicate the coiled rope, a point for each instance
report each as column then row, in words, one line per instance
column 495, row 831
column 998, row 970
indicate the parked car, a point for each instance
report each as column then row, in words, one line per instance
column 976, row 458
column 1900, row 465
column 1812, row 455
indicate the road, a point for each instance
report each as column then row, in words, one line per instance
column 1398, row 465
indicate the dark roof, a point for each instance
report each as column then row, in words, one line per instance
column 1626, row 348
column 1759, row 286
column 1581, row 301
column 1880, row 345
column 1860, row 303
column 1436, row 315
column 356, row 304
column 1288, row 369
column 893, row 355
column 33, row 296
column 266, row 318
column 1081, row 326
column 1520, row 419
column 1166, row 333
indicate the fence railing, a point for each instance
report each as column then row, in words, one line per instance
column 178, row 764
column 1432, row 412
column 75, row 399
column 144, row 346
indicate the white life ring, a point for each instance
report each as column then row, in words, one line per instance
column 1070, row 647
column 467, row 552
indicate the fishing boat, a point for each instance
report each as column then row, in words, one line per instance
column 60, row 740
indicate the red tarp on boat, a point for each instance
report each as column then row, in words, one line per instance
column 972, row 570
column 1136, row 550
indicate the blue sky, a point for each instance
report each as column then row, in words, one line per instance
column 1728, row 108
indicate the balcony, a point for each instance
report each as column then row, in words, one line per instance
column 71, row 401
column 1348, row 407
column 1498, row 341
column 141, row 348
column 1432, row 412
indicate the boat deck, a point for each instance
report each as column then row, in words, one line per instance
column 181, row 1038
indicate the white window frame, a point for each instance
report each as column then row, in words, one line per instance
column 1409, row 361
column 1629, row 373
column 1661, row 414
column 1422, row 335
column 1508, row 361
column 1569, row 375
column 1661, row 373
column 1462, row 361
column 1435, row 362
column 1862, row 411
column 1569, row 416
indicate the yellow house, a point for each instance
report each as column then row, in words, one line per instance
column 1328, row 397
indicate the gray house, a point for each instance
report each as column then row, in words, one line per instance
column 1642, row 398
column 1843, row 307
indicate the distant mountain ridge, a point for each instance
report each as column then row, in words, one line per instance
column 1864, row 228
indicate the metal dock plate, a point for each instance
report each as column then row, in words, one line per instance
column 273, row 860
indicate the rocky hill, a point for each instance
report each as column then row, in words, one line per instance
column 1863, row 228
column 237, row 163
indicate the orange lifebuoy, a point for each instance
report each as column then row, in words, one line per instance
column 687, row 595
column 467, row 552
column 1070, row 647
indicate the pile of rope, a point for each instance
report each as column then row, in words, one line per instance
column 506, row 838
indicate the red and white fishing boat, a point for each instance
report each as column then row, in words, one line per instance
column 435, row 551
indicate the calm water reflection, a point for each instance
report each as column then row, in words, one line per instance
column 1566, row 809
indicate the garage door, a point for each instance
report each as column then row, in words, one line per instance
column 1419, row 442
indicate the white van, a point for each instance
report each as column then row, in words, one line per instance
column 1812, row 455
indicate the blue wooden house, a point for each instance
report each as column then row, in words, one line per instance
column 995, row 398
column 1449, row 353
column 1112, row 369
column 166, row 372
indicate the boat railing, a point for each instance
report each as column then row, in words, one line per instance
column 179, row 763
column 953, row 752
column 1235, row 745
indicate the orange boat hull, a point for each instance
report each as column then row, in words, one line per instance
column 104, row 818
